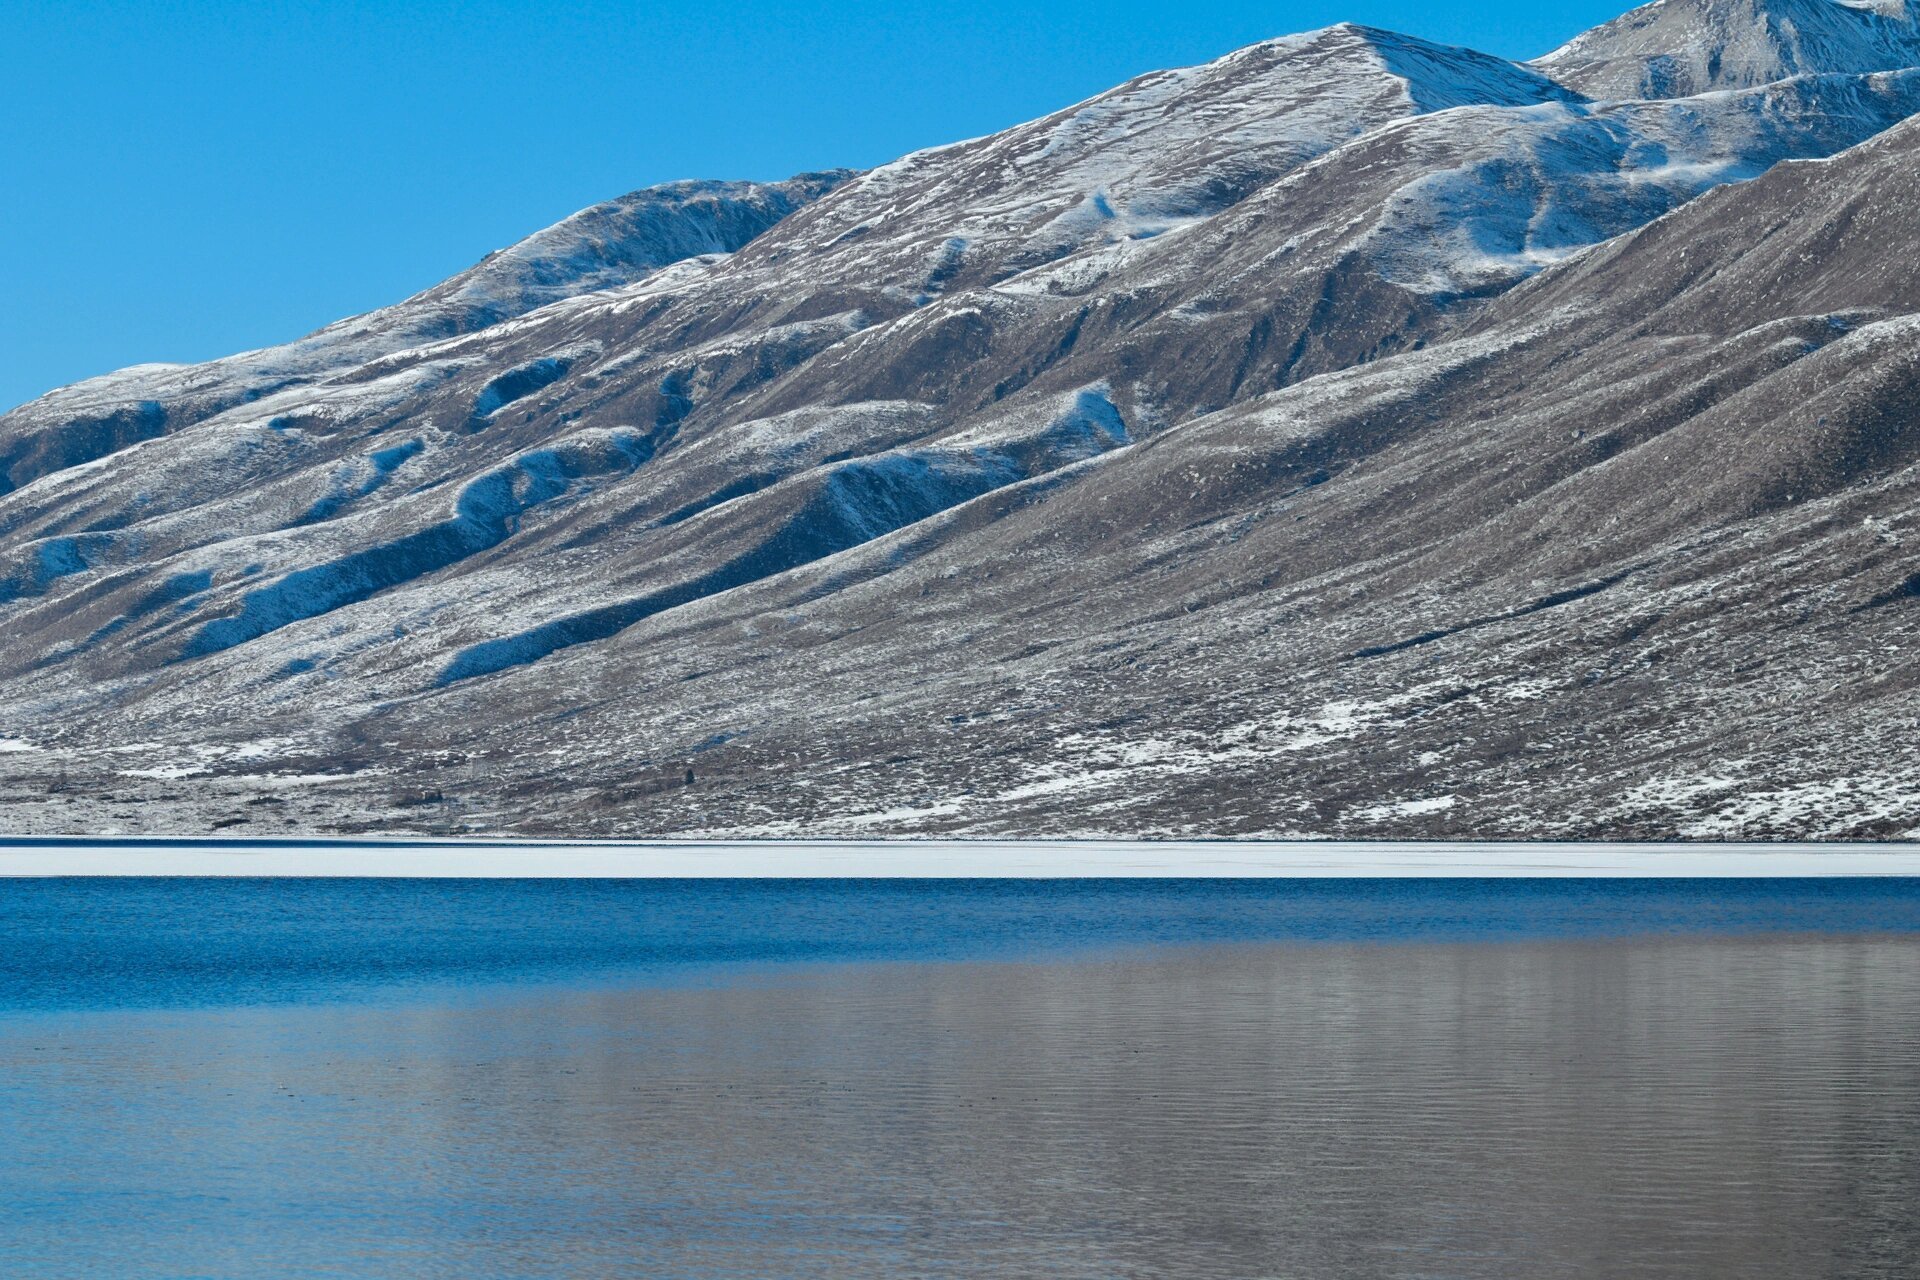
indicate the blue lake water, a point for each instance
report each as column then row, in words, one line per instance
column 87, row 943
column 232, row 1078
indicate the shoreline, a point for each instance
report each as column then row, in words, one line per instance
column 466, row 857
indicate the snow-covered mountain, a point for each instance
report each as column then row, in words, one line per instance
column 1351, row 435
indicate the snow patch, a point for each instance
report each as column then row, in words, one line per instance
column 1403, row 809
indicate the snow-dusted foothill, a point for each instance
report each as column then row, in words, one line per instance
column 1350, row 436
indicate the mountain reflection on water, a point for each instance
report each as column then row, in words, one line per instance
column 1654, row 1106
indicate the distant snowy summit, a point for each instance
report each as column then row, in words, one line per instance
column 1675, row 48
column 1353, row 436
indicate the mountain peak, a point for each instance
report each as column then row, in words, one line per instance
column 1678, row 48
column 1435, row 76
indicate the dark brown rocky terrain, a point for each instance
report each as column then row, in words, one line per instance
column 1353, row 436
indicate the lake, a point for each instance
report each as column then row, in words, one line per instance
column 1090, row 1078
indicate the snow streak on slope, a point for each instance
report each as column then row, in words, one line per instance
column 1534, row 187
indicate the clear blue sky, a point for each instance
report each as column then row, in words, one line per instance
column 182, row 180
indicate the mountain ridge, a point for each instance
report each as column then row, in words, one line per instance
column 597, row 248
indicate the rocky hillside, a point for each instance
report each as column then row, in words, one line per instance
column 1351, row 436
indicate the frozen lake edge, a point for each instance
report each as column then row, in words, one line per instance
column 1054, row 859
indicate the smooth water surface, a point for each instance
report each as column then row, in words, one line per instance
column 1325, row 1079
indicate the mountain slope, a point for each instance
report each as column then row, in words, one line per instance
column 1601, row 578
column 1349, row 436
